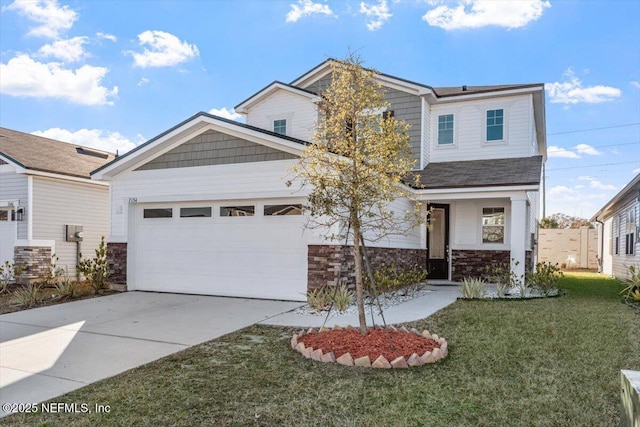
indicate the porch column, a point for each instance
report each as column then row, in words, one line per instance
column 518, row 234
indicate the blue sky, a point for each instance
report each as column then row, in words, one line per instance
column 112, row 74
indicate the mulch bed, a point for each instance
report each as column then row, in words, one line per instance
column 390, row 344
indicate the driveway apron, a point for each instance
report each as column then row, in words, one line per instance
column 50, row 351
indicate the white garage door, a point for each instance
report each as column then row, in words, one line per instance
column 237, row 249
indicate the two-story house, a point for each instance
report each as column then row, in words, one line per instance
column 204, row 207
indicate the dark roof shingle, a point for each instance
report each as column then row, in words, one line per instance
column 48, row 155
column 482, row 173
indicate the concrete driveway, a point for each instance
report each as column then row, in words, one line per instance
column 49, row 351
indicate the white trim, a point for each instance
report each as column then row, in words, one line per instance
column 492, row 143
column 491, row 94
column 454, row 144
column 29, row 212
column 29, row 242
column 65, row 177
column 473, row 193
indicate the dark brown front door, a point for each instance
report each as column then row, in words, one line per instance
column 438, row 242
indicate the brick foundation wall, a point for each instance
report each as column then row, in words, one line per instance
column 324, row 262
column 35, row 262
column 117, row 259
column 473, row 263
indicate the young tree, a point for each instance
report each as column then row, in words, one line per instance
column 357, row 163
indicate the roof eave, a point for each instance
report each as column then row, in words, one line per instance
column 608, row 207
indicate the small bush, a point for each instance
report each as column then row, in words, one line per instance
column 545, row 277
column 319, row 299
column 391, row 279
column 473, row 288
column 9, row 273
column 342, row 297
column 26, row 296
column 65, row 289
column 96, row 269
column 632, row 289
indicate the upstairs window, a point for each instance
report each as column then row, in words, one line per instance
column 629, row 237
column 280, row 126
column 445, row 129
column 495, row 125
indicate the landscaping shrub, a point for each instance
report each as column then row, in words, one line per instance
column 96, row 269
column 632, row 285
column 26, row 296
column 9, row 272
column 473, row 288
column 545, row 278
column 319, row 299
column 391, row 279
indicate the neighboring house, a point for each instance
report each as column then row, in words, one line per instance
column 44, row 186
column 204, row 207
column 618, row 225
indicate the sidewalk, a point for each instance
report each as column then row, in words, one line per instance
column 415, row 309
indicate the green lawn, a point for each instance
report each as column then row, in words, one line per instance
column 545, row 362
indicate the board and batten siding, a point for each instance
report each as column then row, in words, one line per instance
column 58, row 203
column 14, row 186
column 470, row 127
column 299, row 111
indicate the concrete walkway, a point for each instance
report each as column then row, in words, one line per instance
column 50, row 351
column 415, row 309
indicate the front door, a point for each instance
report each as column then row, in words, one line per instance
column 438, row 242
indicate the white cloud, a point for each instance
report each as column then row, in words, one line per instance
column 95, row 138
column 164, row 50
column 571, row 91
column 482, row 13
column 53, row 18
column 306, row 8
column 555, row 151
column 22, row 76
column 587, row 149
column 596, row 184
column 70, row 50
column 227, row 114
column 106, row 36
column 635, row 84
column 636, row 171
column 143, row 81
column 378, row 14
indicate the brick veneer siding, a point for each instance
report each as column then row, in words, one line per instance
column 117, row 259
column 35, row 262
column 324, row 262
column 473, row 263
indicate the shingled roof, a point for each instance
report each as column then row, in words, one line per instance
column 482, row 173
column 48, row 155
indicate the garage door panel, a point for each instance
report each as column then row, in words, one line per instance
column 261, row 257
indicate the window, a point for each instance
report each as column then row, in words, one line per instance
column 4, row 215
column 280, row 126
column 277, row 210
column 445, row 129
column 195, row 212
column 237, row 210
column 492, row 225
column 495, row 125
column 629, row 237
column 158, row 213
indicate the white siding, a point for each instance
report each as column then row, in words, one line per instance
column 238, row 181
column 13, row 187
column 300, row 112
column 469, row 129
column 466, row 224
column 621, row 261
column 410, row 239
column 59, row 202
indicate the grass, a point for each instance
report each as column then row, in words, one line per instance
column 541, row 362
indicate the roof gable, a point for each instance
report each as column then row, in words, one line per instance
column 188, row 129
column 268, row 91
column 36, row 153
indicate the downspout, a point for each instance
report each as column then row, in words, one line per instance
column 601, row 238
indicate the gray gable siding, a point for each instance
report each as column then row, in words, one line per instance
column 215, row 148
column 405, row 107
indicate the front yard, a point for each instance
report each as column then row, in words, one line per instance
column 538, row 362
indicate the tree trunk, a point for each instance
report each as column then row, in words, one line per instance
column 357, row 258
